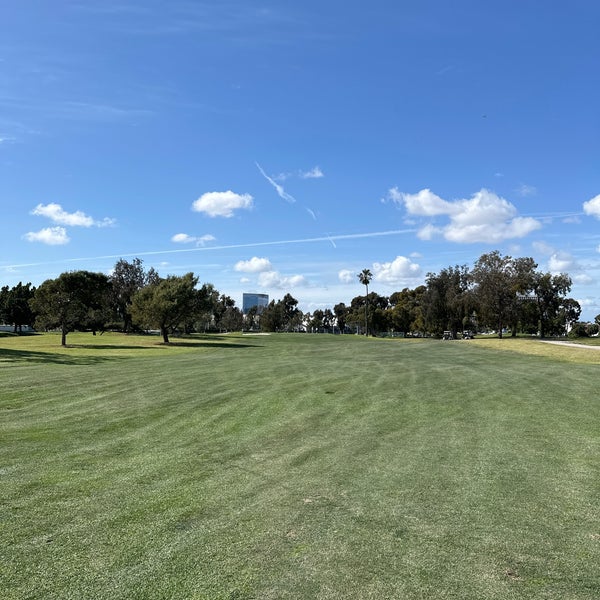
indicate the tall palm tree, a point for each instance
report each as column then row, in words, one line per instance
column 365, row 277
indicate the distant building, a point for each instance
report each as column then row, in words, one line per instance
column 261, row 301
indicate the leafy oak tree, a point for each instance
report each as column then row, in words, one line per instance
column 493, row 275
column 127, row 279
column 74, row 300
column 166, row 303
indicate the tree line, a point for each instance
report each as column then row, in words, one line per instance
column 130, row 299
column 498, row 293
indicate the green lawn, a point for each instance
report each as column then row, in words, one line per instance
column 298, row 466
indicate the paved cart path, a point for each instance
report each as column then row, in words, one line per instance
column 571, row 344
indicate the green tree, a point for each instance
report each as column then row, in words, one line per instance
column 271, row 318
column 579, row 330
column 282, row 315
column 71, row 301
column 328, row 319
column 251, row 318
column 15, row 308
column 232, row 319
column 550, row 293
column 166, row 304
column 522, row 279
column 447, row 300
column 316, row 321
column 494, row 276
column 127, row 279
column 220, row 308
column 341, row 314
column 406, row 309
column 365, row 277
column 292, row 315
column 4, row 292
column 569, row 312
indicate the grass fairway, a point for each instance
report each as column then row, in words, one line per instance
column 298, row 466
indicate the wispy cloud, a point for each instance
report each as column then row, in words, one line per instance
column 97, row 111
column 278, row 188
column 524, row 190
column 314, row 173
column 184, row 238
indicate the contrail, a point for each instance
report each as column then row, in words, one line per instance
column 279, row 188
column 328, row 238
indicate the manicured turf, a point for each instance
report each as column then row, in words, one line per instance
column 298, row 466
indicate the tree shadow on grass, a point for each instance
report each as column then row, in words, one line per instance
column 158, row 345
column 202, row 344
column 31, row 356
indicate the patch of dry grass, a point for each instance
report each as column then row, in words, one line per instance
column 585, row 355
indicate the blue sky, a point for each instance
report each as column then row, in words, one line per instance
column 284, row 146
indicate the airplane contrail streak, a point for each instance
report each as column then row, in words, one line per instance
column 328, row 238
column 278, row 188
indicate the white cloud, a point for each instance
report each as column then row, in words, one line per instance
column 314, row 173
column 583, row 279
column 424, row 203
column 560, row 262
column 244, row 280
column 274, row 279
column 222, row 204
column 52, row 236
column 492, row 232
column 55, row 213
column 485, row 217
column 428, row 232
column 254, row 265
column 398, row 271
column 205, row 239
column 346, row 276
column 184, row 238
column 592, row 207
